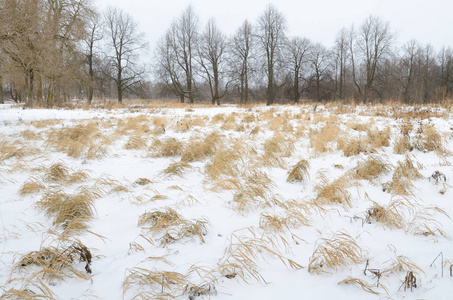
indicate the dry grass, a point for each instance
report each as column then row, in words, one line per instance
column 299, row 172
column 31, row 186
column 429, row 139
column 177, row 169
column 333, row 253
column 391, row 216
column 371, row 168
column 290, row 219
column 359, row 282
column 81, row 140
column 278, row 146
column 332, row 192
column 241, row 255
column 353, row 146
column 172, row 225
column 45, row 123
column 322, row 140
column 71, row 212
column 58, row 263
column 378, row 138
column 59, row 173
column 198, row 149
column 14, row 150
column 136, row 142
column 158, row 284
column 254, row 192
column 401, row 183
column 166, row 147
column 30, row 135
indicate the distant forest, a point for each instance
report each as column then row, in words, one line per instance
column 53, row 51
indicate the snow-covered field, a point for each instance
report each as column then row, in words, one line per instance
column 284, row 202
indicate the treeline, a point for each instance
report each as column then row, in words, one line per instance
column 52, row 51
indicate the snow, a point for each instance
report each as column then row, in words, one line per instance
column 24, row 227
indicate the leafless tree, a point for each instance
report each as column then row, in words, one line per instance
column 271, row 34
column 211, row 55
column 341, row 59
column 94, row 35
column 374, row 42
column 298, row 55
column 241, row 51
column 125, row 43
column 320, row 63
column 445, row 62
column 408, row 69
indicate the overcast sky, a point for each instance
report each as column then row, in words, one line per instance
column 427, row 21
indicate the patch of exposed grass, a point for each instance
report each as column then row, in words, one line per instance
column 332, row 192
column 299, row 172
column 333, row 253
column 371, row 168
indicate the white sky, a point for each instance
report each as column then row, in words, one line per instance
column 427, row 21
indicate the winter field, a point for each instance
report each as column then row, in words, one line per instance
column 193, row 202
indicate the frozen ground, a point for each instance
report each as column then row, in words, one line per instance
column 237, row 187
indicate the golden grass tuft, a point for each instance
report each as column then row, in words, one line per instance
column 166, row 147
column 299, row 172
column 378, row 138
column 359, row 282
column 278, row 146
column 31, row 186
column 58, row 263
column 136, row 142
column 241, row 255
column 198, row 149
column 429, row 139
column 322, row 140
column 333, row 253
column 332, row 192
column 59, row 173
column 45, row 123
column 30, row 135
column 177, row 168
column 173, row 226
column 371, row 168
column 401, row 183
column 353, row 146
column 391, row 216
column 290, row 219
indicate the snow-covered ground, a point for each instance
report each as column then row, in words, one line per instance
column 246, row 232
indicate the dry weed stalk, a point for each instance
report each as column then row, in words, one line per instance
column 338, row 251
column 359, row 282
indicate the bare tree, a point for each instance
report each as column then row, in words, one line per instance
column 125, row 43
column 408, row 69
column 241, row 51
column 211, row 55
column 94, row 35
column 445, row 59
column 320, row 63
column 298, row 55
column 271, row 33
column 374, row 42
column 341, row 58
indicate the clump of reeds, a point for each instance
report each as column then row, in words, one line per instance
column 299, row 172
column 136, row 142
column 59, row 173
column 332, row 192
column 378, row 138
column 173, row 226
column 58, row 263
column 353, row 146
column 371, row 168
column 177, row 168
column 241, row 256
column 198, row 149
column 429, row 139
column 322, row 140
column 254, row 192
column 166, row 147
column 401, row 183
column 333, row 253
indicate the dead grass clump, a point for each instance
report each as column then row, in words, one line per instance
column 31, row 186
column 224, row 163
column 338, row 251
column 429, row 139
column 359, row 282
column 173, row 226
column 404, row 174
column 9, row 150
column 30, row 135
column 299, row 172
column 45, row 123
column 177, row 169
column 290, row 219
column 371, row 168
column 255, row 191
column 353, row 146
column 197, row 149
column 166, row 147
column 154, row 284
column 426, row 222
column 142, row 181
column 241, row 256
column 71, row 212
column 134, row 125
column 60, row 173
column 218, row 118
column 136, row 142
column 278, row 146
column 75, row 141
column 322, row 140
column 391, row 216
column 378, row 138
column 58, row 263
column 332, row 192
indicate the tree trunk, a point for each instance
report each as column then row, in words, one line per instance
column 90, row 78
column 30, row 82
column 296, row 87
column 2, row 100
column 270, row 87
